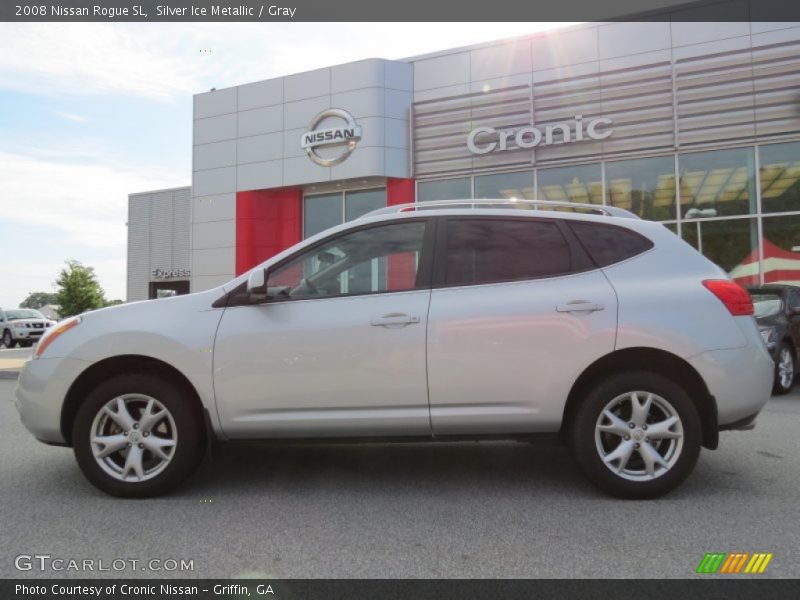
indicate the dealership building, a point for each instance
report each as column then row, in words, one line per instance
column 696, row 125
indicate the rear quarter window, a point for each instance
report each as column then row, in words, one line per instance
column 609, row 244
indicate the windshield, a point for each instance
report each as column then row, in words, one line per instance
column 767, row 305
column 13, row 315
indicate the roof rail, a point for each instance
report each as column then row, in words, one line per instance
column 609, row 211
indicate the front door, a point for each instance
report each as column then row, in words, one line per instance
column 338, row 348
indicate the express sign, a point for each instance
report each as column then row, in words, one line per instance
column 483, row 140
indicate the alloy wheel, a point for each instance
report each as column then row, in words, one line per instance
column 785, row 368
column 639, row 436
column 133, row 437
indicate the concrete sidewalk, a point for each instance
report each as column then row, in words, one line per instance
column 11, row 361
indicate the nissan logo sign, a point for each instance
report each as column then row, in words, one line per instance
column 328, row 146
column 483, row 140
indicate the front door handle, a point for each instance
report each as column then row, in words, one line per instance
column 579, row 306
column 394, row 320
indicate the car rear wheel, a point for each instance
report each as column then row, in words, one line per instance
column 784, row 370
column 636, row 435
column 8, row 340
column 137, row 436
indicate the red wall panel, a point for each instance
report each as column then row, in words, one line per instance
column 267, row 222
column 401, row 268
column 399, row 191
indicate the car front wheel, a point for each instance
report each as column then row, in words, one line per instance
column 8, row 340
column 138, row 436
column 784, row 370
column 636, row 435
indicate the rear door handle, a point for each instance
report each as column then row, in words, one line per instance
column 394, row 320
column 579, row 306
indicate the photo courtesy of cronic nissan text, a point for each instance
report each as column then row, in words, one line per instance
column 366, row 300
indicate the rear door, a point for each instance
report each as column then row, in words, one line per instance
column 517, row 313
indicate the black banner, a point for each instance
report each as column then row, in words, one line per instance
column 408, row 10
column 714, row 588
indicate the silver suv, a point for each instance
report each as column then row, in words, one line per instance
column 434, row 321
column 23, row 326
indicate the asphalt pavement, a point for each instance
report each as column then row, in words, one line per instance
column 488, row 509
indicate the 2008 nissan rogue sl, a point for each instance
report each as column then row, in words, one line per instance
column 434, row 321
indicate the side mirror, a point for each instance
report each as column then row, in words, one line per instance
column 257, row 285
column 795, row 310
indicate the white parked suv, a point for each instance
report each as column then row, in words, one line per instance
column 436, row 321
column 23, row 326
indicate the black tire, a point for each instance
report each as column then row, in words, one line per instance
column 8, row 340
column 585, row 446
column 188, row 451
column 779, row 387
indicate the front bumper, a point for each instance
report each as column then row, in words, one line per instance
column 39, row 396
column 27, row 334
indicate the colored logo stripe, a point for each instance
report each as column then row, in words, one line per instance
column 721, row 562
column 758, row 563
column 735, row 562
column 711, row 562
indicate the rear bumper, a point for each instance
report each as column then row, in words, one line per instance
column 740, row 379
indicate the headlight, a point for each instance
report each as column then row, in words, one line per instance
column 50, row 336
column 768, row 335
column 18, row 325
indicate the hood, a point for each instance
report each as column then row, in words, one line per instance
column 29, row 321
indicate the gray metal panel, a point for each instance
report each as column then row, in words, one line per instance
column 260, row 93
column 159, row 236
column 260, row 120
column 214, row 155
column 307, row 85
column 218, row 102
column 442, row 71
column 259, row 148
column 138, row 246
column 215, row 129
column 358, row 75
column 720, row 91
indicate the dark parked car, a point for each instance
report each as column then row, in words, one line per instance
column 777, row 310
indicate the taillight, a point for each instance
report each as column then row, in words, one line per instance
column 732, row 295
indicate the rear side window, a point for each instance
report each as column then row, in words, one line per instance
column 608, row 244
column 497, row 250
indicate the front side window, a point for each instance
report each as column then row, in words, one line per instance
column 497, row 250
column 367, row 261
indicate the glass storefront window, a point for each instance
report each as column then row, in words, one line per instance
column 717, row 183
column 517, row 185
column 779, row 166
column 321, row 212
column 782, row 249
column 644, row 186
column 360, row 202
column 445, row 189
column 730, row 243
column 581, row 183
